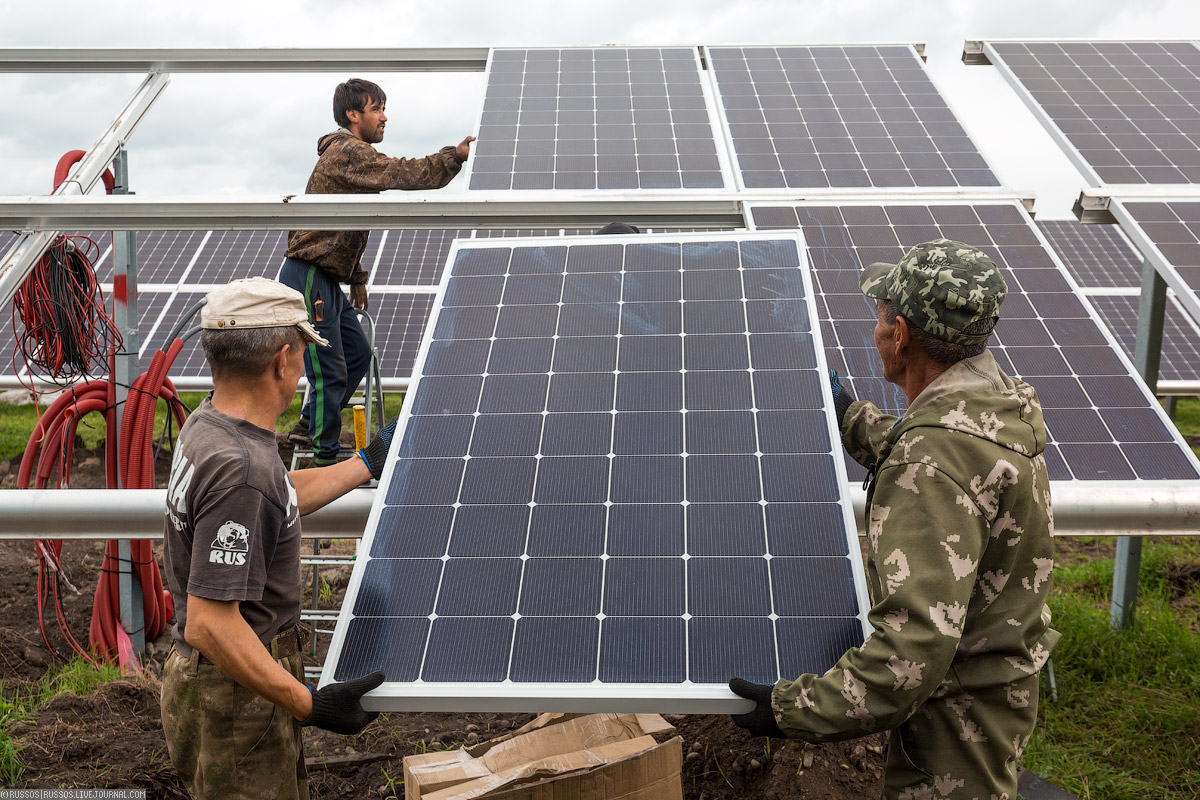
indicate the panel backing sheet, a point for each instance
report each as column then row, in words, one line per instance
column 1168, row 233
column 614, row 485
column 595, row 118
column 845, row 117
column 1126, row 112
column 1102, row 422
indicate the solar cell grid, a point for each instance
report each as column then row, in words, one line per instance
column 1129, row 109
column 1169, row 233
column 229, row 255
column 162, row 256
column 812, row 117
column 1046, row 335
column 1180, row 342
column 603, row 508
column 1097, row 256
column 604, row 118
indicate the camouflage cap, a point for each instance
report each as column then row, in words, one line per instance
column 942, row 287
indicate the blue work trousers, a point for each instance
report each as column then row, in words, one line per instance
column 333, row 372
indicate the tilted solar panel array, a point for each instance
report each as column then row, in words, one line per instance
column 1101, row 420
column 1168, row 232
column 1108, row 269
column 619, row 459
column 843, row 117
column 603, row 118
column 1128, row 112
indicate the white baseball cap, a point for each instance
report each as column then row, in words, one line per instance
column 257, row 303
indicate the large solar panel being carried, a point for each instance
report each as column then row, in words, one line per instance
column 844, row 117
column 1168, row 233
column 614, row 486
column 595, row 118
column 1125, row 112
column 1102, row 422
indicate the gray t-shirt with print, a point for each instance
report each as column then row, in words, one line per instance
column 232, row 523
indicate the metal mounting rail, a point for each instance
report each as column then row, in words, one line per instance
column 1108, row 508
column 364, row 212
column 253, row 59
column 25, row 252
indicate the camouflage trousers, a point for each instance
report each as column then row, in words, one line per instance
column 963, row 745
column 226, row 741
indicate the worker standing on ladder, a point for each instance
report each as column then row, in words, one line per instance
column 319, row 261
column 233, row 696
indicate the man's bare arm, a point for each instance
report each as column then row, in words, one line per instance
column 218, row 630
column 320, row 486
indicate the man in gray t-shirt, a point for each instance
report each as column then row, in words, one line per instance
column 232, row 554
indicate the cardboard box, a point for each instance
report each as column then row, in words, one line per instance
column 556, row 757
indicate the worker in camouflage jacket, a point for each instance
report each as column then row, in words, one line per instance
column 319, row 261
column 959, row 552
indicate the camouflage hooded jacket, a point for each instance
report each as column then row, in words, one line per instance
column 959, row 555
column 348, row 165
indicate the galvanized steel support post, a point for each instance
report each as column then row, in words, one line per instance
column 126, row 368
column 1146, row 355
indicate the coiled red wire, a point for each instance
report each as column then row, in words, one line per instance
column 67, row 334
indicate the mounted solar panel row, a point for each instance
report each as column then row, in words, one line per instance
column 604, row 118
column 1109, row 269
column 1101, row 420
column 1126, row 112
column 619, row 457
column 844, row 117
column 1168, row 232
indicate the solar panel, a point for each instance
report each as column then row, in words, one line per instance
column 229, row 255
column 617, row 460
column 1167, row 233
column 190, row 362
column 1102, row 422
column 1180, row 359
column 1126, row 112
column 595, row 118
column 399, row 326
column 1097, row 256
column 847, row 117
column 413, row 257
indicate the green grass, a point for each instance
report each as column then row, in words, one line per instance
column 1187, row 418
column 1127, row 722
column 76, row 677
column 17, row 422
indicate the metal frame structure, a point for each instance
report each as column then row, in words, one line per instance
column 1169, row 507
column 1081, row 508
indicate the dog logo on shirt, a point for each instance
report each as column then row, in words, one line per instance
column 231, row 545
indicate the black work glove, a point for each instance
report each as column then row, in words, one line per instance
column 374, row 455
column 841, row 398
column 760, row 721
column 337, row 708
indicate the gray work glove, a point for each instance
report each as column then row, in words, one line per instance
column 374, row 455
column 841, row 397
column 760, row 721
column 337, row 707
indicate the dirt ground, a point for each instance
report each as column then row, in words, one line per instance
column 112, row 738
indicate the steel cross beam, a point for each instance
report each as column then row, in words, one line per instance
column 255, row 59
column 15, row 266
column 364, row 212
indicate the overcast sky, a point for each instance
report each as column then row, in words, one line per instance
column 256, row 134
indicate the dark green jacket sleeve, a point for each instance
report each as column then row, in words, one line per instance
column 864, row 429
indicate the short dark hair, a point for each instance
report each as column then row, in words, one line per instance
column 618, row 227
column 353, row 95
column 246, row 353
column 939, row 350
